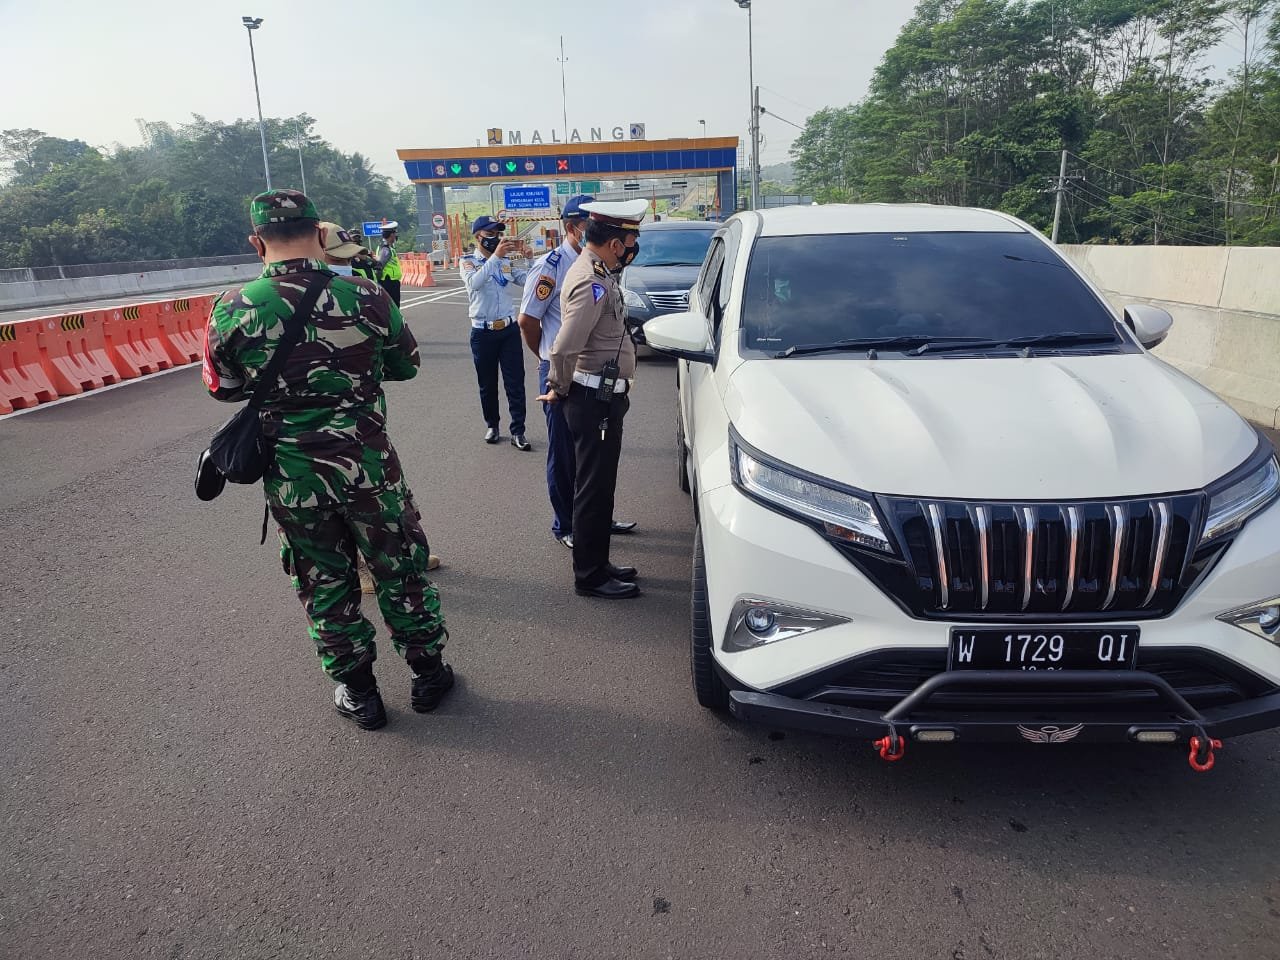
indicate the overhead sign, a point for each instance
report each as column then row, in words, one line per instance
column 563, row 187
column 594, row 135
column 437, row 220
column 526, row 198
column 372, row 228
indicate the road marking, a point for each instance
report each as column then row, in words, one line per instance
column 433, row 297
column 93, row 393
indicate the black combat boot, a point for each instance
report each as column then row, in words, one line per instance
column 358, row 699
column 431, row 681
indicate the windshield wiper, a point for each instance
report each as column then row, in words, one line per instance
column 1064, row 339
column 904, row 342
column 665, row 263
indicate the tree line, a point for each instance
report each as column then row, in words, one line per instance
column 976, row 100
column 183, row 193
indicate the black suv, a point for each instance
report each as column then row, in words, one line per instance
column 658, row 281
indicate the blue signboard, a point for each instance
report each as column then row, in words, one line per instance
column 642, row 160
column 526, row 198
column 372, row 228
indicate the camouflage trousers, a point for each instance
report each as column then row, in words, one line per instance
column 318, row 548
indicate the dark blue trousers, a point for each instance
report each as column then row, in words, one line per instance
column 493, row 350
column 561, row 467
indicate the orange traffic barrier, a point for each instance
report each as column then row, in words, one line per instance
column 428, row 278
column 179, row 346
column 23, row 382
column 130, row 344
column 73, row 352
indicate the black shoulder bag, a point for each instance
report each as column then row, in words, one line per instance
column 237, row 451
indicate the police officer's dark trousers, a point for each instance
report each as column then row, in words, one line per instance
column 393, row 290
column 493, row 350
column 597, row 475
column 560, row 462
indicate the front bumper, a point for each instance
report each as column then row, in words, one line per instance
column 918, row 716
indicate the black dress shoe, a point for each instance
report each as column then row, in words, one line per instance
column 566, row 540
column 429, row 688
column 491, row 435
column 623, row 526
column 625, row 574
column 610, row 590
column 520, row 443
column 364, row 709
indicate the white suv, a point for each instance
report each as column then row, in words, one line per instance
column 942, row 492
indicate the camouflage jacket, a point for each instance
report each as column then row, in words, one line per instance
column 327, row 415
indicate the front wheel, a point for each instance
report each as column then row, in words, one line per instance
column 707, row 685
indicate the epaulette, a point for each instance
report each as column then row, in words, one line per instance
column 601, row 270
column 553, row 258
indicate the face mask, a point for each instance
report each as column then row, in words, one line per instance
column 490, row 244
column 341, row 269
column 628, row 255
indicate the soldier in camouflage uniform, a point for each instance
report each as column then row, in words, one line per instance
column 335, row 486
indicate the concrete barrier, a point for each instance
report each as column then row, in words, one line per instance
column 42, row 293
column 1225, row 303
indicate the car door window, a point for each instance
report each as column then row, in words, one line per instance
column 708, row 298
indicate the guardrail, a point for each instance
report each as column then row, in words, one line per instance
column 46, row 358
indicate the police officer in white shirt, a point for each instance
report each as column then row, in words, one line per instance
column 495, row 340
column 539, row 324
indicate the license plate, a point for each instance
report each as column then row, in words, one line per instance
column 1018, row 648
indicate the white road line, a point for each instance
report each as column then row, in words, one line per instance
column 101, row 390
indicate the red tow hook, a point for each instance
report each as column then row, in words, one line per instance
column 1205, row 746
column 891, row 747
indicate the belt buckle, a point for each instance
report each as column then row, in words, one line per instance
column 498, row 325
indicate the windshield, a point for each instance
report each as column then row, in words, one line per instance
column 680, row 248
column 988, row 286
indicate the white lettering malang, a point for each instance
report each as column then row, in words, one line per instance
column 515, row 138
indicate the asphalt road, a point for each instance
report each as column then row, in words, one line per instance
column 176, row 784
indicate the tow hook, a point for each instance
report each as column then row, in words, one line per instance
column 894, row 747
column 1201, row 755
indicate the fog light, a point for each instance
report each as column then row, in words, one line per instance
column 760, row 620
column 1262, row 619
column 1156, row 736
column 754, row 622
column 935, row 736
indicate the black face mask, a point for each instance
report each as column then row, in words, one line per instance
column 490, row 243
column 628, row 255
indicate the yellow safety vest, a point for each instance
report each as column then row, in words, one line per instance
column 391, row 270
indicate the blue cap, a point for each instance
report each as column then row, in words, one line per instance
column 573, row 207
column 487, row 223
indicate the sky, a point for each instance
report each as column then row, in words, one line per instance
column 378, row 76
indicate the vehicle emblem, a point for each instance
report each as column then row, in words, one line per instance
column 1050, row 734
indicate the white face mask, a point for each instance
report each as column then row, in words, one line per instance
column 342, row 269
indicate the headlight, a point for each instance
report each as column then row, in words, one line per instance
column 633, row 299
column 841, row 514
column 1261, row 619
column 1239, row 496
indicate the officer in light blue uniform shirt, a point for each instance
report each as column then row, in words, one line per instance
column 495, row 340
column 539, row 324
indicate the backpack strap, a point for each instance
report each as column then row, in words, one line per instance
column 293, row 329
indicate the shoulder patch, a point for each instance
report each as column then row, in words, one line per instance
column 600, row 269
column 597, row 293
column 545, row 285
column 553, row 259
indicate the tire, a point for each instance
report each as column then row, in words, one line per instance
column 682, row 452
column 709, row 689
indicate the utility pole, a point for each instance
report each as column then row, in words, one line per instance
column 564, row 95
column 755, row 149
column 1057, row 202
column 301, row 169
column 251, row 24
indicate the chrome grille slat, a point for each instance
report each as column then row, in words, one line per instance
column 1161, row 538
column 982, row 523
column 1118, row 513
column 669, row 299
column 1027, row 521
column 935, row 525
column 1073, row 539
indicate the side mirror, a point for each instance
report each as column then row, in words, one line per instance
column 680, row 335
column 1149, row 324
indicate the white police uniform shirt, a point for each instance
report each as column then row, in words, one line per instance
column 542, row 293
column 488, row 296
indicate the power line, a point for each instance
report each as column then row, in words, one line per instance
column 794, row 103
column 1170, row 232
column 1152, row 186
column 1189, row 226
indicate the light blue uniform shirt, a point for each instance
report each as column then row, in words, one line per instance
column 542, row 293
column 488, row 296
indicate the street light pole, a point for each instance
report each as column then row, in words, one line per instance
column 755, row 114
column 704, row 128
column 251, row 24
column 301, row 169
column 564, row 95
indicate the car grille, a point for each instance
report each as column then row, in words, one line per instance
column 670, row 299
column 1035, row 561
column 878, row 681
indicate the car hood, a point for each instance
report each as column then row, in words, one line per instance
column 660, row 278
column 1059, row 428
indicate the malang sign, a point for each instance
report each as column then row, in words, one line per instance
column 594, row 135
